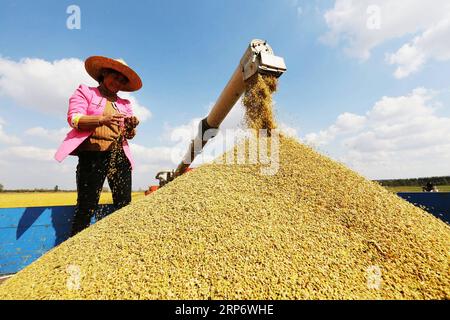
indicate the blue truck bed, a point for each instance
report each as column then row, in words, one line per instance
column 28, row 233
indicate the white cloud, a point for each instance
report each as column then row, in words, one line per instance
column 182, row 133
column 40, row 84
column 398, row 137
column 362, row 25
column 46, row 86
column 432, row 44
column 31, row 167
column 47, row 134
column 288, row 130
column 6, row 138
column 150, row 161
column 143, row 113
column 28, row 153
column 345, row 123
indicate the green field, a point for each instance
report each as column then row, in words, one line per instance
column 41, row 199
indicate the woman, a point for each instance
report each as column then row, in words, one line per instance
column 102, row 123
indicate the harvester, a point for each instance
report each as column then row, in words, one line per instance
column 258, row 58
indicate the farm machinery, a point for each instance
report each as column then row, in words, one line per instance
column 258, row 58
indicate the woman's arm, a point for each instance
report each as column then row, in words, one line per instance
column 92, row 122
column 88, row 122
column 76, row 116
column 78, row 104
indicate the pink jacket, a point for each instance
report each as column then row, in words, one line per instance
column 88, row 101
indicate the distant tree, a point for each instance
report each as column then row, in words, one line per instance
column 56, row 189
column 1, row 187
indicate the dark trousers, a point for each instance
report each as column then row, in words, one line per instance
column 92, row 170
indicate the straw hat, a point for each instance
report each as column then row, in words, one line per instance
column 95, row 64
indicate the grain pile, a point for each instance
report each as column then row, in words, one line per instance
column 313, row 230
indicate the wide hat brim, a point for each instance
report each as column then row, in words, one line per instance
column 95, row 64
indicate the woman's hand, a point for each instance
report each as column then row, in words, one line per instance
column 115, row 119
column 129, row 134
column 131, row 122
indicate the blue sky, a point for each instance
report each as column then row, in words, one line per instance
column 185, row 52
